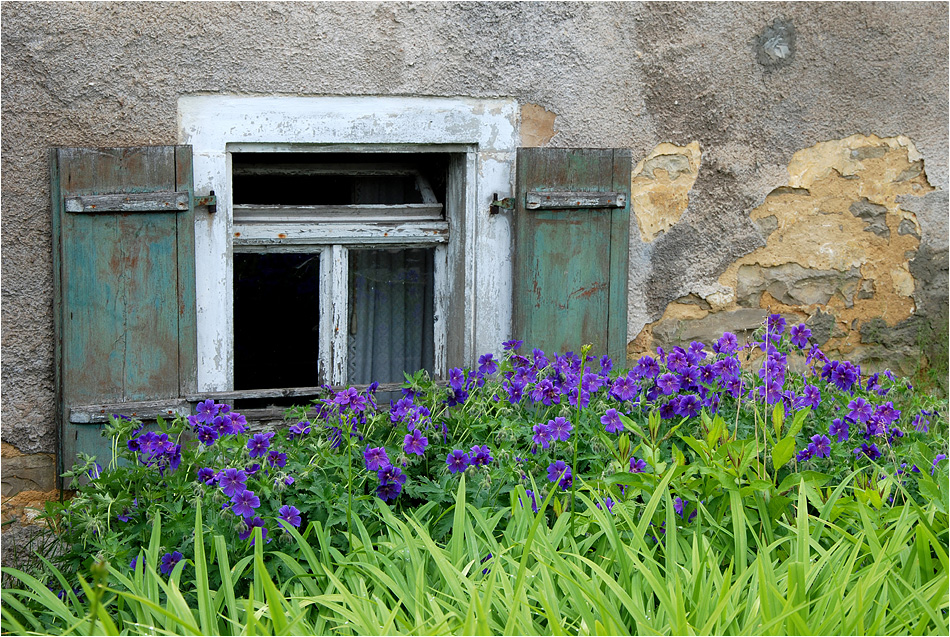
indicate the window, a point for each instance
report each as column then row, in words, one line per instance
column 384, row 207
column 303, row 223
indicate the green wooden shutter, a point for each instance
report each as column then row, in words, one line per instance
column 124, row 278
column 571, row 244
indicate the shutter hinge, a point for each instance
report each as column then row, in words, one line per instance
column 497, row 205
column 210, row 200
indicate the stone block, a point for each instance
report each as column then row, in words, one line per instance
column 793, row 284
column 35, row 472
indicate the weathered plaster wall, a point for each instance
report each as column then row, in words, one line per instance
column 752, row 86
column 837, row 256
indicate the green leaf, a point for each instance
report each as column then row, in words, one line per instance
column 783, row 452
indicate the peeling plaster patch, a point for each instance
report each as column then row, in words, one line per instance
column 838, row 250
column 660, row 186
column 537, row 125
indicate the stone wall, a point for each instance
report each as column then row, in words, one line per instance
column 790, row 157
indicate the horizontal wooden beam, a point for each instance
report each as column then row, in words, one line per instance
column 564, row 199
column 412, row 232
column 158, row 201
column 143, row 410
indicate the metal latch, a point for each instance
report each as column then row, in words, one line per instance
column 210, row 200
column 497, row 205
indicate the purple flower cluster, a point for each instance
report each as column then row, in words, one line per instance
column 391, row 479
column 156, row 450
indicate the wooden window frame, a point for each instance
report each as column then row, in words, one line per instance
column 480, row 135
column 332, row 230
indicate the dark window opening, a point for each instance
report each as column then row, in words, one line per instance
column 276, row 319
column 313, row 179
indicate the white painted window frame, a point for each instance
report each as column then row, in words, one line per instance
column 312, row 230
column 473, row 283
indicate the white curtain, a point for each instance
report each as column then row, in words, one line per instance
column 391, row 316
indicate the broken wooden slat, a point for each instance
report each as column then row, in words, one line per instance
column 143, row 410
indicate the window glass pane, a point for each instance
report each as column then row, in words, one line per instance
column 276, row 319
column 390, row 314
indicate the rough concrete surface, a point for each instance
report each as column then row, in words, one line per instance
column 748, row 84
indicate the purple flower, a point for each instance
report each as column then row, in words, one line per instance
column 606, row 364
column 250, row 526
column 545, row 392
column 349, row 398
column 775, row 324
column 646, row 367
column 534, row 500
column 611, row 421
column 839, row 428
column 861, row 410
column 289, row 514
column 679, row 505
column 457, row 461
column 822, row 446
column 302, row 428
column 258, row 444
column 560, row 429
column 540, row 360
column 637, row 465
column 95, row 471
column 512, row 345
column 375, row 458
column 937, row 458
column 232, row 481
column 169, row 560
column 207, row 435
column 560, row 469
column 726, row 344
column 415, row 443
column 276, row 459
column 688, row 406
column 624, row 388
column 486, row 364
column 238, row 422
column 391, row 480
column 668, row 384
column 871, row 451
column 206, row 411
column 542, row 436
column 609, row 503
column 289, row 480
column 799, row 335
column 456, row 378
column 811, row 397
column 207, row 475
column 481, row 455
column 244, row 503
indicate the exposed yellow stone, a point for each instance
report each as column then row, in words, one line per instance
column 660, row 185
column 537, row 125
column 813, row 221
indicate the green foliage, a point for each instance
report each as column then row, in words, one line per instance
column 845, row 567
column 701, row 497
